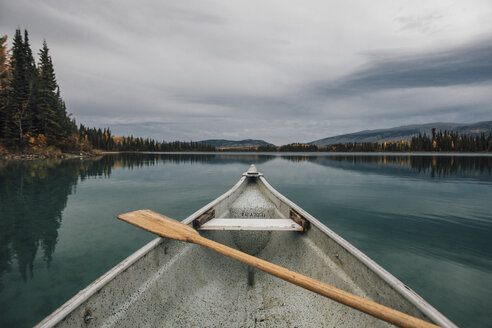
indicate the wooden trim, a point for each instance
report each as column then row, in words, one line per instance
column 207, row 216
column 299, row 219
column 257, row 224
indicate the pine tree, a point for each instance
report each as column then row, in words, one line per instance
column 30, row 64
column 68, row 126
column 31, row 76
column 48, row 115
column 19, row 92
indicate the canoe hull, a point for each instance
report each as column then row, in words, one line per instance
column 168, row 283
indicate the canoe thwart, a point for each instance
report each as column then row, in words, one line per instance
column 259, row 224
column 299, row 219
column 207, row 216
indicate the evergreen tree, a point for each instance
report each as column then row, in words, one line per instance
column 48, row 114
column 31, row 77
column 19, row 92
column 30, row 64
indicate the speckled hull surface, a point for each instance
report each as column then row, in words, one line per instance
column 169, row 283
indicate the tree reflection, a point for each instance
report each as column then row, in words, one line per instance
column 131, row 160
column 33, row 196
column 416, row 166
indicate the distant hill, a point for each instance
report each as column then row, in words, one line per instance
column 222, row 143
column 405, row 132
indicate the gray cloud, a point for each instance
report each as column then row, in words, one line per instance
column 426, row 23
column 468, row 64
column 251, row 69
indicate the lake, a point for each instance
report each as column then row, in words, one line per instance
column 426, row 219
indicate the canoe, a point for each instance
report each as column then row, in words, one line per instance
column 168, row 283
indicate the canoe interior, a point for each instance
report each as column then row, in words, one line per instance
column 174, row 284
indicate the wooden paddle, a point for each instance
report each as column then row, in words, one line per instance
column 170, row 228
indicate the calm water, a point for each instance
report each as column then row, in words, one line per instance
column 427, row 220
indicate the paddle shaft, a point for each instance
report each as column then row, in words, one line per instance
column 377, row 310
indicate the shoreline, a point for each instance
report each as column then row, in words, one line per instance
column 418, row 153
column 20, row 156
column 30, row 156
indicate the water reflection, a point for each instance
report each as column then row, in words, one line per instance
column 130, row 160
column 408, row 165
column 33, row 194
column 425, row 166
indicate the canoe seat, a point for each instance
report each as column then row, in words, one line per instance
column 260, row 224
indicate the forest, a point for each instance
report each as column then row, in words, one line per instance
column 437, row 142
column 34, row 117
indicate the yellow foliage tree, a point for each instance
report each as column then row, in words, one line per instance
column 34, row 142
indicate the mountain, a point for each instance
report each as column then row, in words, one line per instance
column 405, row 132
column 221, row 143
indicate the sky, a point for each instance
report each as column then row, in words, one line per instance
column 281, row 71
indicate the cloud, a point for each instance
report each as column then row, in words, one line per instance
column 253, row 69
column 466, row 64
column 427, row 23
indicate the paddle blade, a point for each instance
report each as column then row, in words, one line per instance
column 159, row 224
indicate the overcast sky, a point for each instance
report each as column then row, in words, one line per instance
column 282, row 71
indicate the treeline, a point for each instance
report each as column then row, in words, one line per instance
column 102, row 139
column 33, row 115
column 401, row 146
column 437, row 142
column 452, row 141
column 293, row 147
column 298, row 147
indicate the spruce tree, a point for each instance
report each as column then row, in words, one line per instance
column 30, row 64
column 19, row 92
column 31, row 76
column 47, row 113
